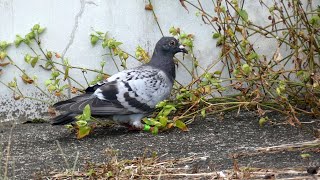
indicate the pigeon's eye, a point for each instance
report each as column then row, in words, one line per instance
column 172, row 43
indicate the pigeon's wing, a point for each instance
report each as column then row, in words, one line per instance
column 128, row 92
column 138, row 91
column 98, row 106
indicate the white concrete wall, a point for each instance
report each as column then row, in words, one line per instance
column 70, row 22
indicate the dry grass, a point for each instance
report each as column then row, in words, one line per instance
column 7, row 157
column 156, row 167
column 307, row 146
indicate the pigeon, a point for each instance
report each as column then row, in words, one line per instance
column 129, row 95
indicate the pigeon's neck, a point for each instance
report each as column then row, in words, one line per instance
column 164, row 61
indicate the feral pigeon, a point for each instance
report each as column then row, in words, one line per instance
column 130, row 95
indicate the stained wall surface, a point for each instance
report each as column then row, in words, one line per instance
column 68, row 28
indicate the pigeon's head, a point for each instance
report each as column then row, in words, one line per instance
column 170, row 45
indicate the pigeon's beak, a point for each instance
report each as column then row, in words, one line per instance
column 183, row 49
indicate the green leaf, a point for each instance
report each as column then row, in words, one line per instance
column 102, row 64
column 300, row 73
column 155, row 130
column 220, row 41
column 56, row 81
column 81, row 122
column 66, row 73
column 109, row 174
column 64, row 87
column 30, row 36
column 104, row 43
column 69, row 126
column 217, row 72
column 18, row 40
column 163, row 120
column 223, row 9
column 173, row 31
column 146, row 127
column 167, row 110
column 125, row 56
column 94, row 39
column 246, row 68
column 263, row 121
column 34, row 61
column 35, row 27
column 271, row 9
column 55, row 74
column 181, row 125
column 315, row 20
column 3, row 55
column 52, row 87
column 83, row 131
column 4, row 45
column 116, row 43
column 187, row 42
column 183, row 35
column 99, row 32
column 161, row 104
column 49, row 55
column 41, row 30
column 152, row 122
column 305, row 155
column 87, row 112
column 47, row 82
column 203, row 113
column 12, row 84
column 90, row 172
column 27, row 41
column 27, row 58
column 278, row 91
column 243, row 14
column 252, row 55
column 216, row 35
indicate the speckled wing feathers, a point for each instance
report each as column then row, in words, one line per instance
column 131, row 91
column 137, row 90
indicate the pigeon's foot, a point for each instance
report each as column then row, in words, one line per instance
column 133, row 128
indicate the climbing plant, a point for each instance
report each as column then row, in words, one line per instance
column 286, row 82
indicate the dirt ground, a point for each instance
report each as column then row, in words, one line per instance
column 38, row 149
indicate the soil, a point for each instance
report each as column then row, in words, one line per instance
column 37, row 149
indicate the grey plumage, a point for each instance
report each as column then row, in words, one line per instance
column 129, row 95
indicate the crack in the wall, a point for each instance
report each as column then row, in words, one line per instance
column 76, row 24
column 73, row 32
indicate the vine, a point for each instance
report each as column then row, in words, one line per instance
column 258, row 82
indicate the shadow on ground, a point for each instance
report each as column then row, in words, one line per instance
column 42, row 148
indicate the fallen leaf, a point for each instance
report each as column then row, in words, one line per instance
column 58, row 93
column 58, row 55
column 4, row 64
column 106, row 76
column 74, row 90
column 277, row 55
column 181, row 125
column 148, row 7
column 16, row 97
column 83, row 131
column 169, row 125
column 51, row 111
column 183, row 5
column 26, row 79
column 292, row 120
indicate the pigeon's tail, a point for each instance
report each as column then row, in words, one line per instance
column 63, row 119
column 71, row 108
column 65, row 105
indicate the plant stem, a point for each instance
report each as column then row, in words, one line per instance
column 156, row 19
